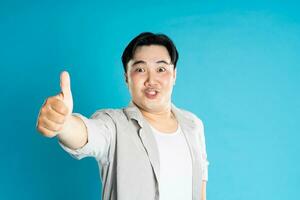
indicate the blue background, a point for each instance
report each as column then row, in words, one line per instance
column 238, row 71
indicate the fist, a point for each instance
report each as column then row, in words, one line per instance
column 56, row 110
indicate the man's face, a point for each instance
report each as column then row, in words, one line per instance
column 150, row 78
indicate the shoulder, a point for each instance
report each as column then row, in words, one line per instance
column 110, row 114
column 190, row 116
column 106, row 112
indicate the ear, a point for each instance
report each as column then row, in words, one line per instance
column 126, row 79
column 174, row 76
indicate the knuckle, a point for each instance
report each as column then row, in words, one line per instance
column 38, row 127
column 38, row 124
column 41, row 130
column 41, row 120
column 43, row 109
column 45, row 132
column 48, row 100
column 54, row 102
column 45, row 102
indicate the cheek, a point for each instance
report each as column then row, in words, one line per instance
column 135, row 77
column 135, row 80
column 167, row 79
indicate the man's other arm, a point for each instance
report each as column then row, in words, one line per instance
column 203, row 190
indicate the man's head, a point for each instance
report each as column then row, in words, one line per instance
column 146, row 39
column 150, row 70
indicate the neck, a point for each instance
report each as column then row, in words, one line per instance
column 165, row 114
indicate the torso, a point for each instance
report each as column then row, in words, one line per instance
column 165, row 126
column 175, row 165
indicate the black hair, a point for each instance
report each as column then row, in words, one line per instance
column 148, row 38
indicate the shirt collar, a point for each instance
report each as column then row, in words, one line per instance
column 133, row 112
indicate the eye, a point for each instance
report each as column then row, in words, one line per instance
column 161, row 69
column 139, row 70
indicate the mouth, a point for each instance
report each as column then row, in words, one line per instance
column 151, row 93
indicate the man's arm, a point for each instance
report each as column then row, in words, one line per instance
column 74, row 133
column 203, row 190
column 56, row 119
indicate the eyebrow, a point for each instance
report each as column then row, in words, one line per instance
column 162, row 61
column 143, row 62
column 138, row 62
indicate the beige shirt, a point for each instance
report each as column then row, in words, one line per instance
column 123, row 144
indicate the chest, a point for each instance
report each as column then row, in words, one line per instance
column 173, row 151
column 166, row 126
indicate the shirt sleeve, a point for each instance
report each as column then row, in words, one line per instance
column 100, row 128
column 204, row 161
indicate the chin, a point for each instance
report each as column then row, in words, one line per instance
column 150, row 105
column 155, row 106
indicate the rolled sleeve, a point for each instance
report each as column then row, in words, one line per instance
column 202, row 144
column 204, row 161
column 99, row 129
column 205, row 164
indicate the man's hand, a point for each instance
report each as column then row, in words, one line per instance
column 56, row 111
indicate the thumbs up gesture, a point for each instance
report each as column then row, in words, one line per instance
column 56, row 110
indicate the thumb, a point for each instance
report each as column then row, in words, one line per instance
column 65, row 85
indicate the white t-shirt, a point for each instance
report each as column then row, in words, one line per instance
column 175, row 165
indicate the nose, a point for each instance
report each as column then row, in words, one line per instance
column 151, row 79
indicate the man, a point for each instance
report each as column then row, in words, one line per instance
column 149, row 150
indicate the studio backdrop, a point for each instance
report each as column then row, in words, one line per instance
column 238, row 70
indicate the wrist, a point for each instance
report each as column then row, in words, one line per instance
column 66, row 126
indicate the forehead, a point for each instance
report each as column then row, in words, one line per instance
column 151, row 53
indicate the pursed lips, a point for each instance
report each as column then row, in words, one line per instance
column 151, row 91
